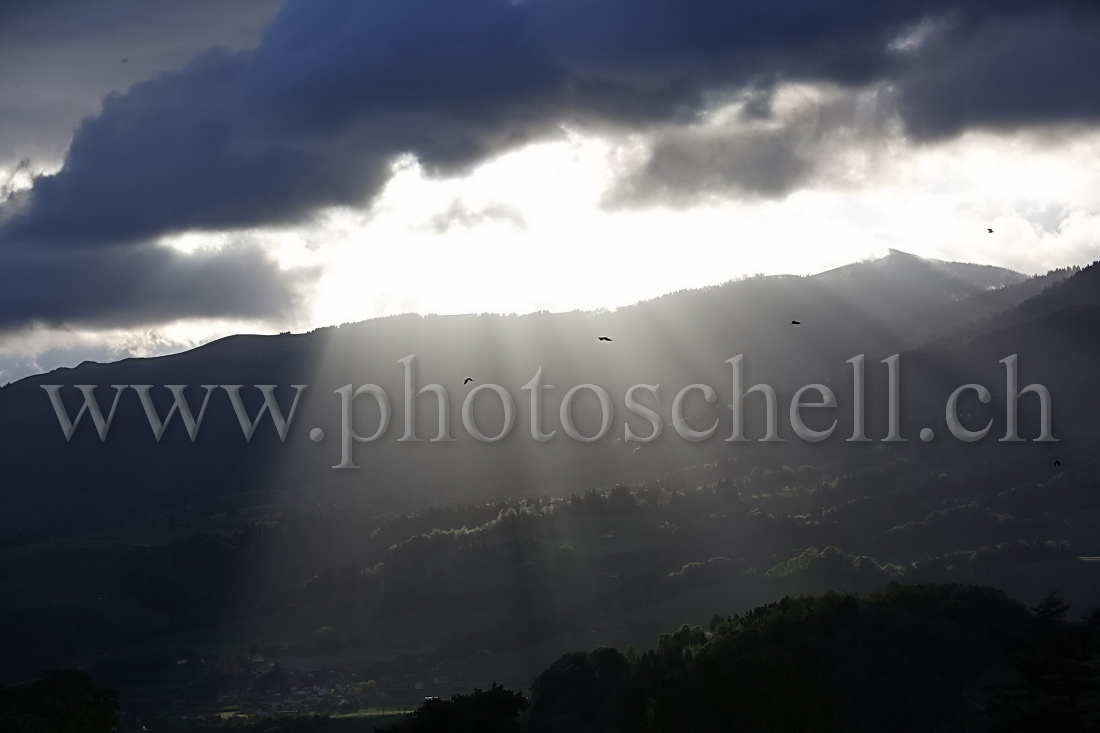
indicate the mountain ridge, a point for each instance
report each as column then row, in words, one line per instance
column 677, row 340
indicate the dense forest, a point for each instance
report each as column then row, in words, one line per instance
column 910, row 658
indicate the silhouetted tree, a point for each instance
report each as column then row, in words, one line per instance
column 484, row 711
column 1059, row 688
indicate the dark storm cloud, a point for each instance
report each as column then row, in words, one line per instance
column 60, row 57
column 313, row 117
column 1006, row 73
column 141, row 285
column 683, row 165
column 756, row 151
column 335, row 91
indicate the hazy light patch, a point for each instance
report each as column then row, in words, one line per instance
column 15, row 178
column 289, row 249
column 38, row 350
column 571, row 254
column 192, row 242
column 912, row 37
column 936, row 201
column 792, row 99
column 1025, row 187
column 395, row 259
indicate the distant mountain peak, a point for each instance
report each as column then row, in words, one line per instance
column 967, row 278
column 900, row 253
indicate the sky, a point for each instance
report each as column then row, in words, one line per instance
column 178, row 171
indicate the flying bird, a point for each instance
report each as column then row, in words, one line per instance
column 989, row 230
column 468, row 380
column 796, row 323
column 1057, row 464
column 605, row 338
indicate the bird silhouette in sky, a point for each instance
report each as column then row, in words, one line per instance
column 605, row 338
column 468, row 380
column 796, row 323
column 989, row 230
column 1057, row 464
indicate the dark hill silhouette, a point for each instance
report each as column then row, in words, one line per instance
column 1052, row 334
column 953, row 316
